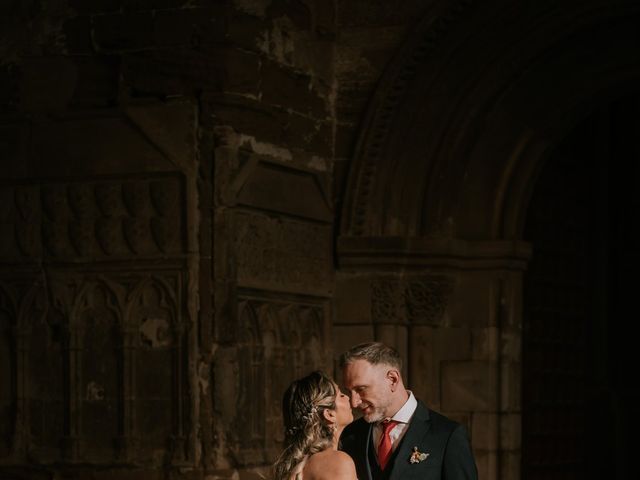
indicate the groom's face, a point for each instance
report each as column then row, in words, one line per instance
column 369, row 389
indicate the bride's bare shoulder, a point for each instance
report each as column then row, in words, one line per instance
column 330, row 464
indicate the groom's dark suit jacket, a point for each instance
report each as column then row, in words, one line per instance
column 445, row 441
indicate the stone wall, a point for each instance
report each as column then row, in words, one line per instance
column 201, row 200
column 453, row 311
column 166, row 230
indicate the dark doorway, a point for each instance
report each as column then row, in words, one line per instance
column 580, row 398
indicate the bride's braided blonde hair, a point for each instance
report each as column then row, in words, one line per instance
column 306, row 430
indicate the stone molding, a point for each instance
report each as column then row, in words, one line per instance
column 418, row 253
column 415, row 300
column 381, row 112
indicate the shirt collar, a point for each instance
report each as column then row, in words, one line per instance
column 406, row 412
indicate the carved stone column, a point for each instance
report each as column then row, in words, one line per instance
column 273, row 283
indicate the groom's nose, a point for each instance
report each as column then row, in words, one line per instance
column 355, row 400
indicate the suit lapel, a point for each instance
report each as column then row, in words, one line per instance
column 417, row 430
column 366, row 450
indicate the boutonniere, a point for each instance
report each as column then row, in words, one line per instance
column 417, row 457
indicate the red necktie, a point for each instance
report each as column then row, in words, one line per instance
column 384, row 449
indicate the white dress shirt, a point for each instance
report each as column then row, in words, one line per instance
column 403, row 417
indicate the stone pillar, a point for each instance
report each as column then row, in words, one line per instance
column 453, row 310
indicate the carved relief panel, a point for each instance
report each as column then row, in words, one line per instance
column 105, row 364
column 416, row 300
column 93, row 329
column 282, row 253
column 92, row 220
column 278, row 342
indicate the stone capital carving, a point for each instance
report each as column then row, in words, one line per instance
column 410, row 300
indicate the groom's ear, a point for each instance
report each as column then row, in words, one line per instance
column 393, row 376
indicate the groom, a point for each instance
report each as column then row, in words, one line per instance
column 398, row 437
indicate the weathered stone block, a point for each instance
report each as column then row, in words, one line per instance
column 352, row 300
column 350, row 14
column 147, row 5
column 275, row 186
column 346, row 137
column 246, row 31
column 249, row 117
column 308, row 134
column 469, row 386
column 193, row 27
column 424, row 368
column 352, row 99
column 97, row 82
column 452, row 343
column 47, row 83
column 236, row 71
column 345, row 337
column 298, row 13
column 123, row 32
column 77, row 32
column 511, row 344
column 484, row 430
column 511, row 387
column 14, row 139
column 510, row 431
column 510, row 463
column 485, row 343
column 395, row 336
column 225, row 391
column 463, row 419
column 95, row 6
column 487, row 463
column 513, row 302
column 316, row 58
column 324, row 18
column 368, row 48
column 283, row 254
column 264, row 125
column 473, row 302
column 289, row 89
column 8, row 88
column 97, row 148
column 171, row 127
column 429, row 347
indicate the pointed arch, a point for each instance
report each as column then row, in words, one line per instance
column 461, row 121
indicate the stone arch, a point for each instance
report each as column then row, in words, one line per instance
column 462, row 118
column 101, row 292
column 440, row 182
column 154, row 295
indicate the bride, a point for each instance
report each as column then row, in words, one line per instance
column 315, row 412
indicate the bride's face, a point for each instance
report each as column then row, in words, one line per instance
column 344, row 415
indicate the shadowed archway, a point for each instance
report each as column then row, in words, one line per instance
column 576, row 361
column 441, row 183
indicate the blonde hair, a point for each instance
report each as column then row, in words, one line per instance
column 306, row 431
